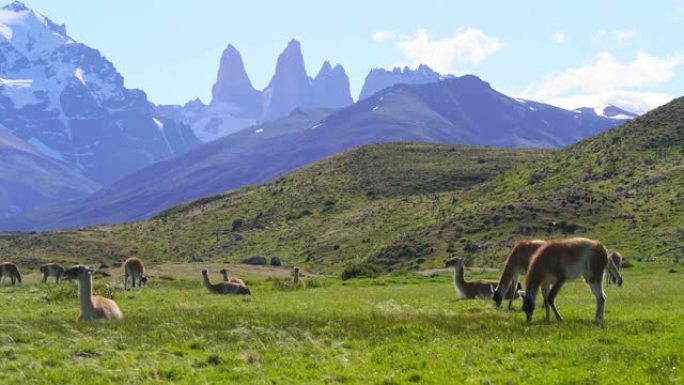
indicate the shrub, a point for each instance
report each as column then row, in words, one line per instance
column 360, row 270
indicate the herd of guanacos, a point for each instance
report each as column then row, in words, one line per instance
column 547, row 265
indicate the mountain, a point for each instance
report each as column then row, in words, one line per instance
column 330, row 88
column 378, row 79
column 28, row 179
column 407, row 206
column 69, row 102
column 290, row 87
column 462, row 110
column 236, row 105
column 609, row 111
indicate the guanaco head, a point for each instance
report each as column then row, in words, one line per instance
column 455, row 262
column 78, row 271
column 144, row 279
column 498, row 296
column 528, row 306
column 205, row 272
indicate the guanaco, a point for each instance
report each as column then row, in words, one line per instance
column 92, row 307
column 296, row 280
column 483, row 288
column 234, row 280
column 516, row 264
column 564, row 259
column 617, row 260
column 134, row 268
column 223, row 287
column 51, row 270
column 11, row 270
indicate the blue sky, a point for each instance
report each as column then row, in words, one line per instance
column 570, row 54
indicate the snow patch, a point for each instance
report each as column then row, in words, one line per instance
column 521, row 101
column 159, row 124
column 20, row 91
column 45, row 149
column 315, row 126
column 259, row 131
column 79, row 75
column 375, row 108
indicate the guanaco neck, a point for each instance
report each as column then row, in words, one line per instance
column 207, row 283
column 459, row 278
column 506, row 276
column 224, row 273
column 85, row 293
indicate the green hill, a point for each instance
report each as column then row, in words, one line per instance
column 408, row 206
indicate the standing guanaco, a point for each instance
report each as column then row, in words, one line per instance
column 296, row 280
column 134, row 268
column 51, row 270
column 483, row 288
column 11, row 270
column 92, row 307
column 223, row 287
column 564, row 259
column 516, row 264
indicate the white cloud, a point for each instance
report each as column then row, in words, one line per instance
column 383, row 36
column 558, row 37
column 607, row 80
column 678, row 14
column 468, row 45
column 621, row 37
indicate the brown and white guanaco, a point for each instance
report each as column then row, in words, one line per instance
column 93, row 307
column 223, row 287
column 134, row 268
column 51, row 270
column 516, row 264
column 228, row 278
column 483, row 288
column 561, row 260
column 11, row 270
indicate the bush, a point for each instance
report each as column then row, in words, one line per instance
column 360, row 270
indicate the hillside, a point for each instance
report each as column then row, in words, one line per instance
column 343, row 208
column 464, row 110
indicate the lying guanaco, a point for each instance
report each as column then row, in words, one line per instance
column 223, row 287
column 134, row 268
column 92, row 307
column 483, row 288
column 11, row 270
column 296, row 280
column 227, row 278
column 565, row 259
column 516, row 264
column 51, row 270
column 617, row 260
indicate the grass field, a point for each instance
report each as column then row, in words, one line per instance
column 391, row 330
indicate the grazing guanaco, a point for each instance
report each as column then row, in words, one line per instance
column 134, row 268
column 483, row 288
column 51, row 270
column 11, row 270
column 223, row 287
column 516, row 264
column 564, row 259
column 296, row 280
column 617, row 260
column 92, row 307
column 234, row 280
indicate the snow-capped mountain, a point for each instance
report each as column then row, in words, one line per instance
column 610, row 111
column 378, row 79
column 236, row 104
column 69, row 102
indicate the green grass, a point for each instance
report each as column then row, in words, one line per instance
column 393, row 330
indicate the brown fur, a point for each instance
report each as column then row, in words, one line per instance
column 223, row 287
column 11, row 270
column 134, row 268
column 92, row 307
column 565, row 259
column 483, row 288
column 234, row 280
column 51, row 270
column 516, row 264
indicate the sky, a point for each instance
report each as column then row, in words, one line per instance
column 580, row 53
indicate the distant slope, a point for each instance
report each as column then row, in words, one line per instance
column 333, row 211
column 462, row 110
column 29, row 179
